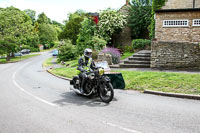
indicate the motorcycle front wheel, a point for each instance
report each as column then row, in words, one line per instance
column 106, row 92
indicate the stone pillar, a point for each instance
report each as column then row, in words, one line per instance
column 105, row 57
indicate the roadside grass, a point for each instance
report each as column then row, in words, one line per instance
column 3, row 60
column 48, row 62
column 72, row 63
column 126, row 55
column 45, row 50
column 185, row 83
column 64, row 71
column 162, row 81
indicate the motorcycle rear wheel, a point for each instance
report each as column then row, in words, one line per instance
column 106, row 92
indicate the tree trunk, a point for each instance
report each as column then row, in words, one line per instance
column 8, row 57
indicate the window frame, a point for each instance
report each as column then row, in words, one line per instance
column 176, row 23
column 193, row 22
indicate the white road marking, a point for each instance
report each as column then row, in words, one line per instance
column 120, row 127
column 28, row 93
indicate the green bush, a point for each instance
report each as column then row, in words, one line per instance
column 34, row 49
column 95, row 55
column 128, row 49
column 140, row 43
column 85, row 36
column 97, row 43
column 67, row 51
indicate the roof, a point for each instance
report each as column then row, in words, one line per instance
column 178, row 10
column 93, row 14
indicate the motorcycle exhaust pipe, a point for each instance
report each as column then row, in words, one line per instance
column 78, row 91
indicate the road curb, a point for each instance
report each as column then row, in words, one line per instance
column 177, row 95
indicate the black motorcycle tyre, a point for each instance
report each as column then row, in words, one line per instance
column 101, row 91
column 76, row 86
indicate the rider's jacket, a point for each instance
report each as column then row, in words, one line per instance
column 85, row 65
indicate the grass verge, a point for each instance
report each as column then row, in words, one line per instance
column 48, row 62
column 162, row 81
column 159, row 81
column 64, row 71
column 126, row 55
column 15, row 59
column 72, row 63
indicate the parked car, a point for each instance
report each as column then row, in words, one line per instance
column 55, row 52
column 25, row 51
column 18, row 54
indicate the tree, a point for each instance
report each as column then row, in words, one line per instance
column 111, row 22
column 87, row 31
column 67, row 51
column 140, row 18
column 72, row 27
column 47, row 34
column 42, row 18
column 15, row 28
column 58, row 27
column 31, row 13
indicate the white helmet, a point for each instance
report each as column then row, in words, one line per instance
column 87, row 52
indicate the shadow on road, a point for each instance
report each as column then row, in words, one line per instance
column 69, row 98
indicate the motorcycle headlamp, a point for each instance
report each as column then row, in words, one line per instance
column 101, row 71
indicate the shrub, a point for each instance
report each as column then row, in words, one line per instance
column 34, row 49
column 140, row 43
column 85, row 36
column 128, row 49
column 67, row 51
column 95, row 55
column 97, row 43
column 115, row 54
column 110, row 22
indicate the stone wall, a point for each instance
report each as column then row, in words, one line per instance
column 180, row 4
column 170, row 55
column 197, row 4
column 178, row 34
column 124, row 37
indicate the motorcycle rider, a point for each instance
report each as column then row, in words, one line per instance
column 86, row 64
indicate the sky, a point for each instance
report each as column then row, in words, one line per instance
column 59, row 9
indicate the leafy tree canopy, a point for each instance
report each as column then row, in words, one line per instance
column 42, row 18
column 140, row 17
column 47, row 33
column 87, row 31
column 15, row 28
column 111, row 21
column 72, row 27
column 31, row 13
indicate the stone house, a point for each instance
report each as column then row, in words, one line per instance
column 177, row 35
column 124, row 37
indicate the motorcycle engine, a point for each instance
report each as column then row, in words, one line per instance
column 91, row 76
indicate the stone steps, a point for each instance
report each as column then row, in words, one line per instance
column 138, row 60
column 134, row 65
column 141, row 55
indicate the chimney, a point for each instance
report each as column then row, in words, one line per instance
column 127, row 2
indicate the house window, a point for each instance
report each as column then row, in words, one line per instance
column 196, row 22
column 176, row 23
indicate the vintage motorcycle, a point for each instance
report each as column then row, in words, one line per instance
column 97, row 83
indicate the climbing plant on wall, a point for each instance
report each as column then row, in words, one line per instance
column 156, row 4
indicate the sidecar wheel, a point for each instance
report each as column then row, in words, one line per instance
column 106, row 92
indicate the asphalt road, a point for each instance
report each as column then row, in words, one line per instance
column 34, row 101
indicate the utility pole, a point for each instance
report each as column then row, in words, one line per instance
column 193, row 3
